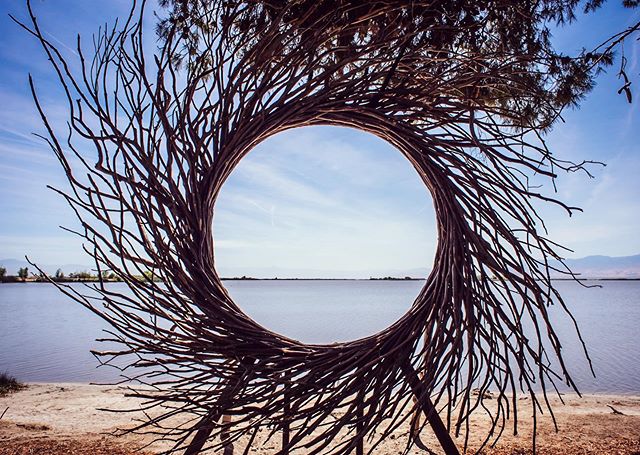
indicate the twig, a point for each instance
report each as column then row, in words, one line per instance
column 615, row 411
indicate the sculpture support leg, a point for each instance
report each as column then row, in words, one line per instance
column 285, row 423
column 359, row 424
column 440, row 430
column 206, row 427
column 207, row 423
column 228, row 447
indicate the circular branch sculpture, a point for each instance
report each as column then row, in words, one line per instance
column 464, row 98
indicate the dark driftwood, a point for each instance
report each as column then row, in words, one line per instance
column 151, row 140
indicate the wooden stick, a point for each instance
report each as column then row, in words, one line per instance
column 430, row 412
column 286, row 416
column 360, row 427
column 224, row 435
column 205, row 427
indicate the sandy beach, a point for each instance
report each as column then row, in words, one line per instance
column 64, row 419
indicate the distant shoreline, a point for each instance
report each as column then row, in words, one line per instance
column 14, row 279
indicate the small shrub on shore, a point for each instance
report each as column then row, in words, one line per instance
column 9, row 384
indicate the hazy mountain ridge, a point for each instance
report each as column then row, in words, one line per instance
column 622, row 267
column 606, row 266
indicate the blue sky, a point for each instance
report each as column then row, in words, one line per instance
column 319, row 201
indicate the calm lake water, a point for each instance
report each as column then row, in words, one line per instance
column 46, row 337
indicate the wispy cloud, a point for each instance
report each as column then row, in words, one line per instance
column 289, row 203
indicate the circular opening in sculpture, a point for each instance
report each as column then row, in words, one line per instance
column 324, row 234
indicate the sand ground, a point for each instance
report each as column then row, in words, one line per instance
column 64, row 419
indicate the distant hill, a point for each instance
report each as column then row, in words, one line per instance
column 606, row 266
